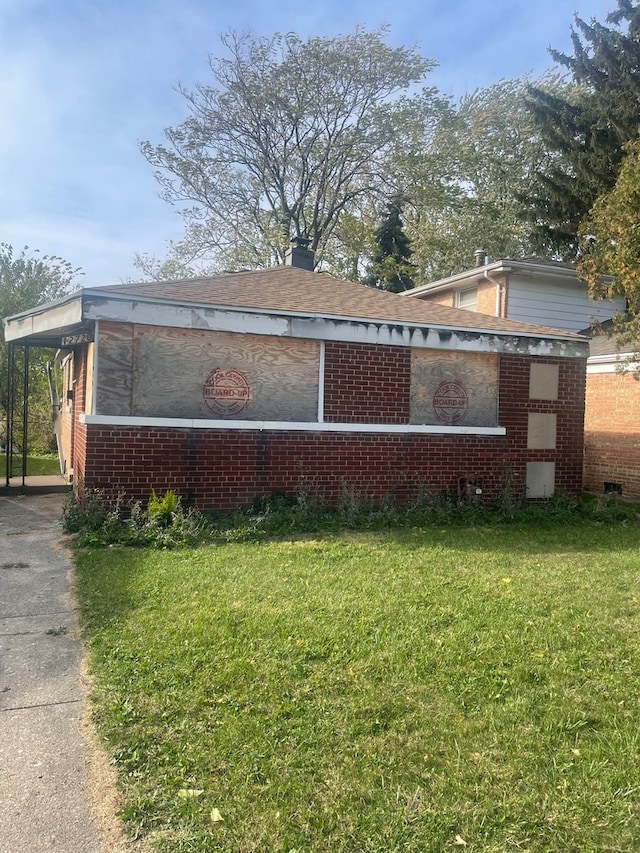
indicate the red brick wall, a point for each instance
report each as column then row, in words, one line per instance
column 515, row 407
column 612, row 433
column 223, row 469
column 367, row 384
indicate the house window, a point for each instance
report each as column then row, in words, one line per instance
column 467, row 298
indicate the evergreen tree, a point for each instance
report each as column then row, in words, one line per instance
column 391, row 267
column 586, row 127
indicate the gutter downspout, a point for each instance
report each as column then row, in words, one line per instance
column 499, row 286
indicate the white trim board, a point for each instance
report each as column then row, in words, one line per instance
column 612, row 363
column 287, row 426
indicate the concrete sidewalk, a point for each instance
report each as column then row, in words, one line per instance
column 44, row 755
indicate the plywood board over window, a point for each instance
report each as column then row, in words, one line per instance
column 454, row 388
column 189, row 373
column 114, row 366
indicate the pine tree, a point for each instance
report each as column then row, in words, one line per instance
column 585, row 128
column 391, row 268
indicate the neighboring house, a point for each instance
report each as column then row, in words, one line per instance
column 537, row 291
column 229, row 388
column 612, row 420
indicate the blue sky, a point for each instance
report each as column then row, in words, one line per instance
column 83, row 81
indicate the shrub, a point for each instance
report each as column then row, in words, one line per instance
column 161, row 511
column 100, row 519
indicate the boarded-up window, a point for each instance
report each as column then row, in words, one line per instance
column 454, row 388
column 114, row 365
column 186, row 373
column 543, row 381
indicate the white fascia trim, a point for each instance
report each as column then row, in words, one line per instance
column 46, row 318
column 504, row 266
column 611, row 363
column 462, row 278
column 284, row 426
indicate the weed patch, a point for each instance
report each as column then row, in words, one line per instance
column 286, row 515
column 100, row 519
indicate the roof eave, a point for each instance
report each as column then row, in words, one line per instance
column 504, row 266
column 46, row 324
column 40, row 324
column 91, row 313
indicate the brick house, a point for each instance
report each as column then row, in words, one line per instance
column 228, row 388
column 538, row 291
column 612, row 426
column 531, row 290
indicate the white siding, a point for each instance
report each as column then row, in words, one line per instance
column 560, row 306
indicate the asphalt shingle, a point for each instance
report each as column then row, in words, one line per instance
column 291, row 290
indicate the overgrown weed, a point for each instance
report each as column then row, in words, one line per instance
column 100, row 519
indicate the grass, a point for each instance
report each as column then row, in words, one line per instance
column 37, row 466
column 415, row 691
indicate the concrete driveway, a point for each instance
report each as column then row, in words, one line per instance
column 48, row 797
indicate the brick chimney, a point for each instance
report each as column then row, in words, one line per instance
column 300, row 255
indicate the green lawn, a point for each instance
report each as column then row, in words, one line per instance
column 36, row 465
column 415, row 691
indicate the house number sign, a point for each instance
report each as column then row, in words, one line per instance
column 226, row 392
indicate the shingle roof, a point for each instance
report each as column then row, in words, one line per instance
column 604, row 341
column 540, row 262
column 293, row 290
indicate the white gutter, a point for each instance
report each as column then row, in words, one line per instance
column 506, row 266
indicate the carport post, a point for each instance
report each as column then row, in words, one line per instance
column 25, row 413
column 12, row 387
column 9, row 413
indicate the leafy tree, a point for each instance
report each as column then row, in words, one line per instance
column 28, row 280
column 289, row 138
column 466, row 194
column 585, row 127
column 610, row 241
column 391, row 268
